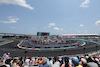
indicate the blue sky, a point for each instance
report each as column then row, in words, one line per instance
column 54, row 16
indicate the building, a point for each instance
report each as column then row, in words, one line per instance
column 43, row 35
column 92, row 37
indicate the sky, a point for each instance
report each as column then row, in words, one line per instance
column 55, row 16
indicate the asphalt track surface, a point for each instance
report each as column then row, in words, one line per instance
column 9, row 48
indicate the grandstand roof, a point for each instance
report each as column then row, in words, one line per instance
column 78, row 34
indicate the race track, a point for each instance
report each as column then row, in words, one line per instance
column 9, row 48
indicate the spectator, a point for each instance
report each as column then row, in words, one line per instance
column 91, row 63
column 75, row 61
column 40, row 61
column 8, row 55
column 30, row 62
column 44, row 64
column 3, row 66
column 7, row 62
column 56, row 63
column 20, row 64
column 2, row 61
column 49, row 62
column 66, row 62
column 26, row 62
column 14, row 63
column 80, row 62
column 35, row 62
column 4, row 57
column 84, row 62
column 17, row 65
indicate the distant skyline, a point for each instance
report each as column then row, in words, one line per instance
column 55, row 16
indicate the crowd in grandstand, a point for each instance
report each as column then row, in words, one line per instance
column 86, row 61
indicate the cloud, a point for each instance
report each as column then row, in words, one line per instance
column 17, row 2
column 85, row 31
column 11, row 19
column 33, row 28
column 61, row 29
column 12, row 27
column 49, row 26
column 78, row 31
column 52, row 24
column 81, row 25
column 56, row 28
column 44, row 27
column 97, row 23
column 85, row 3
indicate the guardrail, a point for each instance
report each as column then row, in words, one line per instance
column 25, row 47
column 20, row 44
column 30, row 48
column 51, row 45
column 6, row 42
column 89, row 41
column 89, row 53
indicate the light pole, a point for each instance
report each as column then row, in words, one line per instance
column 13, row 53
column 84, row 50
column 96, row 48
column 25, row 52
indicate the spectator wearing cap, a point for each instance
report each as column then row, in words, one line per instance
column 75, row 61
column 30, row 62
column 84, row 62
